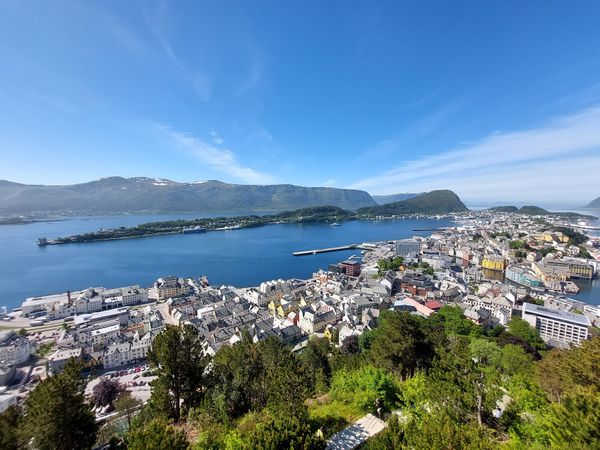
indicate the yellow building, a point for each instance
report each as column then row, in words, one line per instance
column 493, row 263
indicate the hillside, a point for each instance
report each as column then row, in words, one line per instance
column 116, row 195
column 537, row 211
column 434, row 202
column 384, row 199
column 594, row 204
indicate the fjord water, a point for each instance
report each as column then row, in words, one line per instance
column 243, row 257
column 239, row 257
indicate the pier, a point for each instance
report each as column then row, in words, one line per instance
column 325, row 250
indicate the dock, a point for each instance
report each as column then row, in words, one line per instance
column 325, row 250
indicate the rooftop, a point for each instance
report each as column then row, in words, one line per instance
column 579, row 319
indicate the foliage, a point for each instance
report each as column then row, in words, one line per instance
column 454, row 322
column 178, row 353
column 44, row 349
column 106, row 391
column 285, row 432
column 249, row 376
column 363, row 387
column 126, row 405
column 157, row 435
column 389, row 264
column 399, row 344
column 11, row 421
column 350, row 345
column 315, row 360
column 521, row 329
column 56, row 414
column 575, row 423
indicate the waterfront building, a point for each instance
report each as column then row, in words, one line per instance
column 351, row 268
column 557, row 327
column 577, row 268
column 168, row 287
column 522, row 276
column 493, row 262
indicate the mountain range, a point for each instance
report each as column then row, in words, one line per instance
column 117, row 195
column 434, row 202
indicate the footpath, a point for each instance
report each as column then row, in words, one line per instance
column 357, row 433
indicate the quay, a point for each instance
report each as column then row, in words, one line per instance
column 325, row 250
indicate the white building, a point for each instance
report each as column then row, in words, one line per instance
column 103, row 336
column 14, row 349
column 58, row 359
column 557, row 327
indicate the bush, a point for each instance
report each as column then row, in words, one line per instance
column 364, row 386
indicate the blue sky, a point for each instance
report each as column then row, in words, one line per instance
column 499, row 101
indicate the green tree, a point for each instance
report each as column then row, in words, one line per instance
column 157, row 435
column 520, row 328
column 575, row 423
column 177, row 352
column 285, row 433
column 441, row 431
column 399, row 344
column 56, row 414
column 126, row 405
column 315, row 360
column 10, row 425
column 364, row 386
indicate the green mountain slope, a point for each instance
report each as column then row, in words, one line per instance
column 434, row 202
column 117, row 195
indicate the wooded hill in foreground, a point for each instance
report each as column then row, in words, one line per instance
column 456, row 385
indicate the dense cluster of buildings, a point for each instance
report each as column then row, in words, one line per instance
column 493, row 266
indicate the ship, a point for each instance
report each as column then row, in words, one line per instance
column 196, row 229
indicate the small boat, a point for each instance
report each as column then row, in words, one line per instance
column 335, row 224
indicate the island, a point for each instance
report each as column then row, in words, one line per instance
column 317, row 214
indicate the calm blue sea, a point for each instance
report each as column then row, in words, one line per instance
column 239, row 257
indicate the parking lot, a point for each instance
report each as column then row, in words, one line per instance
column 134, row 381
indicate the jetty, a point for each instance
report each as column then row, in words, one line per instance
column 325, row 250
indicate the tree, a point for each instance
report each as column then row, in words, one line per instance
column 106, row 392
column 10, row 424
column 157, row 435
column 285, row 432
column 399, row 345
column 520, row 328
column 56, row 414
column 177, row 352
column 575, row 423
column 315, row 360
column 455, row 322
column 364, row 386
column 126, row 404
column 350, row 345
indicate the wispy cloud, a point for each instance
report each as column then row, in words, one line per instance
column 558, row 160
column 213, row 155
column 156, row 18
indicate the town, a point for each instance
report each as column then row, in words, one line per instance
column 492, row 265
